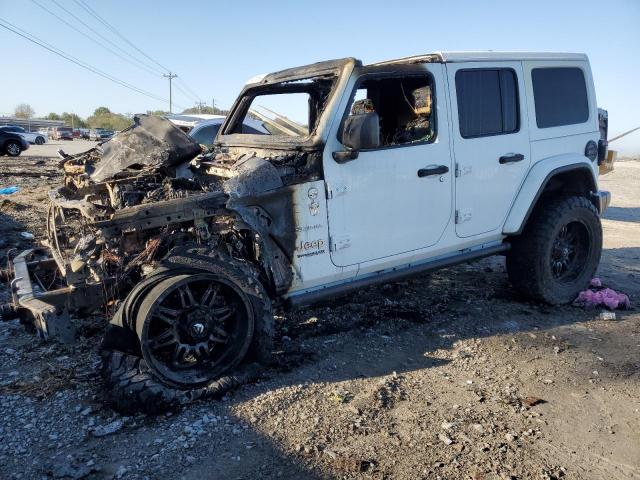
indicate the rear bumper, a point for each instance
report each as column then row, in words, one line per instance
column 603, row 199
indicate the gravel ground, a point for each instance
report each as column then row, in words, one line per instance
column 445, row 376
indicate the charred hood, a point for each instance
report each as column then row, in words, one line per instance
column 151, row 142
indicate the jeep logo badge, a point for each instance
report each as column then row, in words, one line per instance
column 198, row 328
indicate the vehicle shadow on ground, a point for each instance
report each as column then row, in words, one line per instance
column 623, row 214
column 390, row 339
column 377, row 333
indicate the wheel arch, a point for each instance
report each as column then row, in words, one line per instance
column 569, row 174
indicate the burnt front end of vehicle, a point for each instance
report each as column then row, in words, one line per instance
column 187, row 248
column 106, row 226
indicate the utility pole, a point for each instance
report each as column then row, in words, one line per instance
column 171, row 76
column 200, row 105
column 213, row 104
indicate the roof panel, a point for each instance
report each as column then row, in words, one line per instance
column 485, row 56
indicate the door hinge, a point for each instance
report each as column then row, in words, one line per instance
column 339, row 243
column 460, row 170
column 462, row 217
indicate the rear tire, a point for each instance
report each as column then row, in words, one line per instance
column 558, row 252
column 39, row 140
column 13, row 148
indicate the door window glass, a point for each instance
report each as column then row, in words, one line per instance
column 206, row 134
column 487, row 102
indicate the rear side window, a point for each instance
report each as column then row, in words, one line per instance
column 560, row 96
column 487, row 102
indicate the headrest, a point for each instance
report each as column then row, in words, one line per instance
column 362, row 106
column 422, row 100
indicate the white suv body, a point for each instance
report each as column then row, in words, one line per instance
column 374, row 216
column 373, row 173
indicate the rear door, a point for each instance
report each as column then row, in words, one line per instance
column 490, row 142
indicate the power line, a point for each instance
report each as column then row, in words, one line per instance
column 97, row 16
column 136, row 64
column 76, row 61
column 159, row 72
column 185, row 93
column 113, row 29
column 194, row 94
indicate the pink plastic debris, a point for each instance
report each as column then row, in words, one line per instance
column 606, row 297
column 596, row 282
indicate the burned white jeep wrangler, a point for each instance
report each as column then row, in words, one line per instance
column 375, row 173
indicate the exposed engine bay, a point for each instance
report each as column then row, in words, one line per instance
column 151, row 189
column 186, row 248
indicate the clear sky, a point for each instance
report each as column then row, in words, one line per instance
column 215, row 47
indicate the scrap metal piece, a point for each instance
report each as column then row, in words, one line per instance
column 49, row 320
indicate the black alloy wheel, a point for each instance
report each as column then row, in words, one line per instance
column 194, row 328
column 569, row 252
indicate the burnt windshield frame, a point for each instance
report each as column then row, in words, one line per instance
column 308, row 85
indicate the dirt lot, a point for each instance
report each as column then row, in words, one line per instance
column 446, row 376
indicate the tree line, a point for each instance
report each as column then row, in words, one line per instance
column 102, row 117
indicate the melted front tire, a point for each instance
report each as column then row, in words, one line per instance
column 130, row 387
column 138, row 381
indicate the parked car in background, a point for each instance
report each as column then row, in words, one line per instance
column 12, row 143
column 76, row 133
column 31, row 137
column 61, row 133
column 100, row 134
column 84, row 133
column 187, row 122
column 205, row 131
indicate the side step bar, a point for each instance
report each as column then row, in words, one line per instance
column 392, row 276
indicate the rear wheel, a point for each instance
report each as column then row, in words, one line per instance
column 39, row 140
column 12, row 148
column 558, row 252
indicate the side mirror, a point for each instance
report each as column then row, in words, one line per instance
column 360, row 132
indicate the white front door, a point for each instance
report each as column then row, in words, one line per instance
column 490, row 140
column 398, row 197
